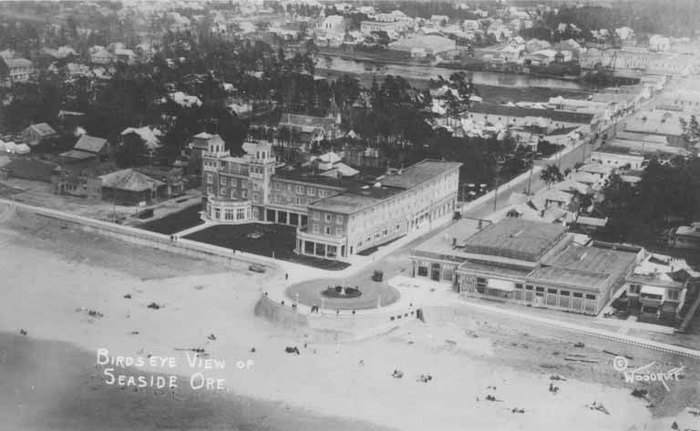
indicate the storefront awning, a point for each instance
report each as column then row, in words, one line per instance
column 653, row 290
column 506, row 286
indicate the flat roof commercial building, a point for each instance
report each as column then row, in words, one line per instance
column 527, row 262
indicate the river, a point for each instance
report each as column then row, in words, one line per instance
column 418, row 72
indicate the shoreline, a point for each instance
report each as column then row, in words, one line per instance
column 57, row 386
column 348, row 381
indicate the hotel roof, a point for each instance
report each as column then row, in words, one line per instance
column 418, row 174
column 355, row 200
column 515, row 238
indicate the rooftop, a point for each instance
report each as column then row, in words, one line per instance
column 43, row 129
column 592, row 260
column 515, row 238
column 570, row 277
column 346, row 203
column 515, row 111
column 90, row 144
column 130, row 180
column 418, row 174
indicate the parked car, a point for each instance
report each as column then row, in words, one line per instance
column 257, row 268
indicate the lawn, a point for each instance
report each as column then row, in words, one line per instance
column 273, row 240
column 176, row 222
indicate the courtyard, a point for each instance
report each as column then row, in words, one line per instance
column 271, row 240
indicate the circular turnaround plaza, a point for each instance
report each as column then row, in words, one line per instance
column 372, row 294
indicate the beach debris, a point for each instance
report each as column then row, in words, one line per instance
column 397, row 374
column 22, row 332
column 493, row 398
column 155, row 306
column 448, row 341
column 598, row 406
column 134, row 332
column 252, row 350
column 553, row 389
column 640, row 393
column 93, row 313
column 517, row 410
column 579, row 345
column 425, row 378
column 196, row 350
column 580, row 358
column 292, row 350
column 127, row 296
column 695, row 413
column 617, row 354
column 211, row 337
column 557, row 377
column 491, row 387
column 674, row 425
column 361, row 363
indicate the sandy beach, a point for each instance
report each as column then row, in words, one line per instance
column 53, row 279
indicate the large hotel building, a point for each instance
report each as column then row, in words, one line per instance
column 335, row 216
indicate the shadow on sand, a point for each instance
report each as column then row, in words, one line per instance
column 47, row 385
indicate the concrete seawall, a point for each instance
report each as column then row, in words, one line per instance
column 348, row 326
column 135, row 236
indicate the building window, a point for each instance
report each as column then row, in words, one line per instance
column 311, row 191
column 635, row 288
column 591, row 297
column 209, row 190
column 210, row 179
column 339, row 219
column 423, row 271
column 398, row 226
column 327, row 230
column 386, row 232
column 222, row 191
column 673, row 294
column 233, row 193
column 338, row 231
column 321, row 193
column 222, row 181
column 315, row 228
column 240, row 214
column 316, row 216
column 300, row 189
column 328, row 218
column 256, row 197
column 244, row 194
column 229, row 214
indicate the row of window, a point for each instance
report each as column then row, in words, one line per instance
column 229, row 214
column 482, row 284
column 671, row 294
column 381, row 234
column 326, row 230
column 299, row 189
column 328, row 218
